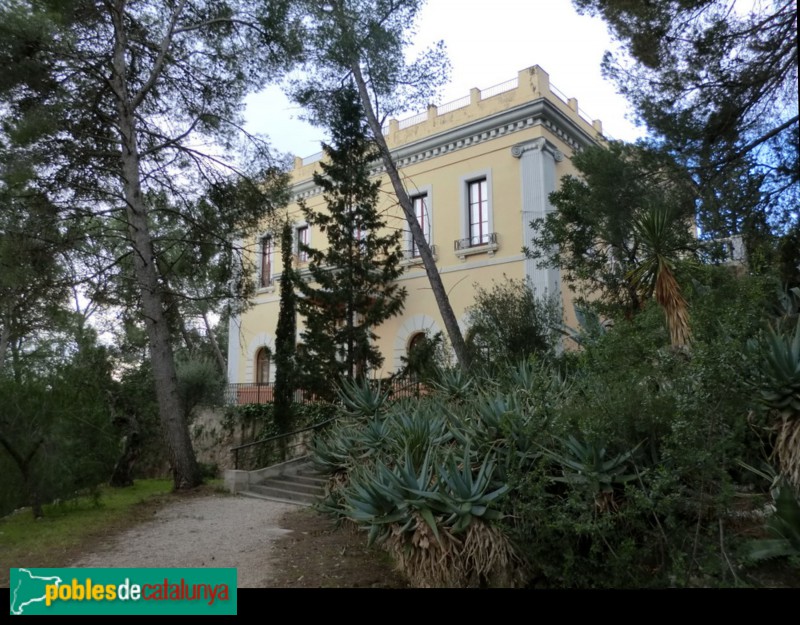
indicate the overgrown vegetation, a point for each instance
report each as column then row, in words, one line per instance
column 250, row 423
column 619, row 465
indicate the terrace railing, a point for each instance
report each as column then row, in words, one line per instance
column 240, row 394
column 274, row 449
column 250, row 393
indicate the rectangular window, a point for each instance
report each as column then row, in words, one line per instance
column 478, row 198
column 265, row 279
column 302, row 239
column 421, row 211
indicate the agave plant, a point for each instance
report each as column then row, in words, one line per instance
column 586, row 464
column 374, row 498
column 373, row 437
column 360, row 398
column 417, row 430
column 537, row 387
column 454, row 384
column 779, row 389
column 466, row 496
column 334, row 452
column 590, row 327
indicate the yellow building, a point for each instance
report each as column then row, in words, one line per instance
column 478, row 170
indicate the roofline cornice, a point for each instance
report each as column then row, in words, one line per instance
column 540, row 112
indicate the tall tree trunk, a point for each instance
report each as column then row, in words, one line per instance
column 5, row 334
column 223, row 366
column 16, row 361
column 24, row 465
column 186, row 473
column 442, row 301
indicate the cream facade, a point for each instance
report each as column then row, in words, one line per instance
column 479, row 170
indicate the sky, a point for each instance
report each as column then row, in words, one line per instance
column 488, row 42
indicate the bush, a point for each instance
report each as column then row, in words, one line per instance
column 620, row 465
column 510, row 322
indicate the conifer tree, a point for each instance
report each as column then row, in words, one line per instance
column 368, row 42
column 353, row 282
column 285, row 381
column 113, row 104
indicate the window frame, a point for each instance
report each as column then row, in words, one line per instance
column 478, row 223
column 487, row 240
column 259, row 365
column 302, row 256
column 424, row 218
column 411, row 253
column 266, row 259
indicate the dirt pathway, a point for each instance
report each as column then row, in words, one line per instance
column 209, row 531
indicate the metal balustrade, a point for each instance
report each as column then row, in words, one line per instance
column 470, row 242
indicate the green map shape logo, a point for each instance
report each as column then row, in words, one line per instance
column 123, row 591
column 27, row 588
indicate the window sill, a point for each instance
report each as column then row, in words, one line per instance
column 263, row 290
column 486, row 248
column 411, row 261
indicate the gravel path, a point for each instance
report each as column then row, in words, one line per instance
column 208, row 531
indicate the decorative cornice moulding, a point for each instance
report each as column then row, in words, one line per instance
column 528, row 115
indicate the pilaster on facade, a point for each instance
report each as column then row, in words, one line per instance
column 537, row 162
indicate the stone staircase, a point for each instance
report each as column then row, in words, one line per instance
column 294, row 482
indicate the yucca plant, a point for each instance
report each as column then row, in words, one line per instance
column 779, row 389
column 662, row 235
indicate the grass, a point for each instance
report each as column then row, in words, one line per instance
column 70, row 527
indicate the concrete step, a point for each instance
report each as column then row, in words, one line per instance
column 297, row 482
column 317, row 481
column 266, row 491
column 255, row 495
column 290, row 483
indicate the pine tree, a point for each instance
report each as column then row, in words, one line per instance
column 368, row 42
column 353, row 286
column 114, row 102
column 716, row 84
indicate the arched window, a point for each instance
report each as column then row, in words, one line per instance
column 415, row 342
column 262, row 366
column 421, row 353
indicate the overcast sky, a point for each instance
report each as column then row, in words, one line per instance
column 488, row 42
